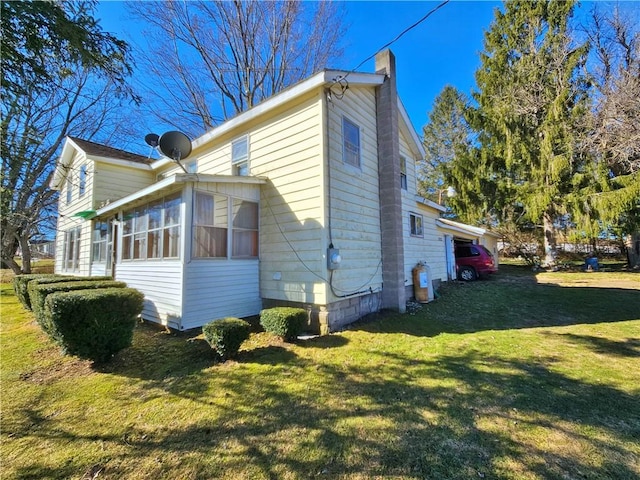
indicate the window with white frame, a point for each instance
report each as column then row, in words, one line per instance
column 72, row 250
column 403, row 173
column 350, row 143
column 99, row 241
column 171, row 226
column 69, row 189
column 245, row 228
column 213, row 214
column 211, row 222
column 152, row 231
column 83, row 180
column 240, row 156
column 191, row 166
column 415, row 222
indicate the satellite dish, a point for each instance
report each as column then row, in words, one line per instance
column 175, row 145
column 151, row 139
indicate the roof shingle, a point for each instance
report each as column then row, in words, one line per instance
column 92, row 148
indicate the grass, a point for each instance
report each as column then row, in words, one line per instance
column 517, row 377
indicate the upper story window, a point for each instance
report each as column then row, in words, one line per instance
column 350, row 143
column 240, row 156
column 191, row 166
column 83, row 180
column 415, row 221
column 69, row 189
column 403, row 173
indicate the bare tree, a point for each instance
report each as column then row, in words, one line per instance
column 613, row 133
column 615, row 41
column 209, row 60
column 34, row 125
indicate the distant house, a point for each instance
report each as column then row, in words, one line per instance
column 308, row 199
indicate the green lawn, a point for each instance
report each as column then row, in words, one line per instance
column 517, row 377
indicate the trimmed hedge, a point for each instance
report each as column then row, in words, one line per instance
column 226, row 335
column 38, row 293
column 93, row 324
column 21, row 284
column 286, row 322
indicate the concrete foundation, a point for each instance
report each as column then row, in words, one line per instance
column 325, row 319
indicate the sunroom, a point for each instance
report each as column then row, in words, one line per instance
column 189, row 243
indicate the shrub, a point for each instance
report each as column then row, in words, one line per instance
column 226, row 335
column 93, row 324
column 21, row 284
column 286, row 322
column 38, row 292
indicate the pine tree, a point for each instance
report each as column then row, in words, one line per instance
column 530, row 104
column 446, row 135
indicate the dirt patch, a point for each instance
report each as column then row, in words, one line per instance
column 64, row 368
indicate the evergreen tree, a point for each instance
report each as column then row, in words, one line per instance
column 531, row 102
column 446, row 134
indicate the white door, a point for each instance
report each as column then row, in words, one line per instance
column 451, row 257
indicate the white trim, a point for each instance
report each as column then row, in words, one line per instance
column 66, row 157
column 124, row 163
column 428, row 203
column 177, row 179
column 464, row 228
column 404, row 116
column 323, row 78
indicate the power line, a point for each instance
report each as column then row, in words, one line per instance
column 427, row 15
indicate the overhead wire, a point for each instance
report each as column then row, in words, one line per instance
column 342, row 78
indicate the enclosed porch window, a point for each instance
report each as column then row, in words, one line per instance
column 152, row 231
column 213, row 213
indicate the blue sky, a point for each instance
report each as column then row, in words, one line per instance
column 441, row 50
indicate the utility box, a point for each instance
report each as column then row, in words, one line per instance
column 333, row 258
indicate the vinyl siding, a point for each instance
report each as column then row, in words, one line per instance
column 355, row 203
column 286, row 147
column 66, row 219
column 215, row 289
column 114, row 182
column 161, row 284
column 430, row 248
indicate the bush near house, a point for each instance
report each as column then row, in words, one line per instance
column 38, row 294
column 21, row 284
column 93, row 324
column 286, row 322
column 226, row 335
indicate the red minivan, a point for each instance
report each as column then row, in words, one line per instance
column 473, row 261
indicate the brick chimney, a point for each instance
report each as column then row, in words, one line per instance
column 391, row 221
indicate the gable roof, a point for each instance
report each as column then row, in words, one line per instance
column 325, row 78
column 94, row 151
column 98, row 150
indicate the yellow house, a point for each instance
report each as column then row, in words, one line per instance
column 308, row 199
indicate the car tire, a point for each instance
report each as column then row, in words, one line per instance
column 467, row 274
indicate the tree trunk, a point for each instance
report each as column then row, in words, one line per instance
column 9, row 248
column 26, row 254
column 550, row 250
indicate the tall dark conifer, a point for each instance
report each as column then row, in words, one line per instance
column 530, row 99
